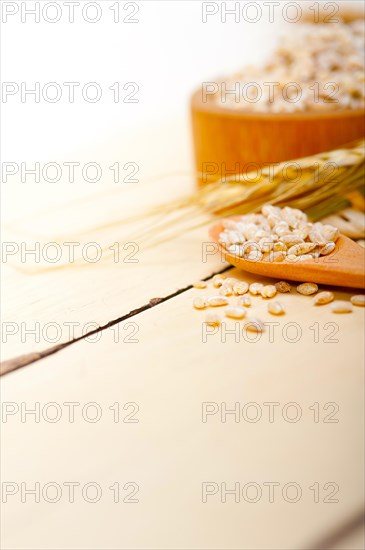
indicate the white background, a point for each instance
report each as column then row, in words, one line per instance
column 168, row 53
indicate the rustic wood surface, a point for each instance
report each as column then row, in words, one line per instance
column 156, row 358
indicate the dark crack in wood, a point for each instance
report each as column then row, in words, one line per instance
column 23, row 360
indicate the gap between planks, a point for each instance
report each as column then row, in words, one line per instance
column 11, row 365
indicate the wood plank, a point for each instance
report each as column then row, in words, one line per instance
column 170, row 452
column 63, row 304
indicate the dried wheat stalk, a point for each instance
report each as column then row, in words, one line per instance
column 329, row 184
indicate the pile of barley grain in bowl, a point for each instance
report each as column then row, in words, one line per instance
column 238, row 297
column 315, row 67
column 277, row 235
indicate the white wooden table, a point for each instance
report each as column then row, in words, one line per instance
column 150, row 378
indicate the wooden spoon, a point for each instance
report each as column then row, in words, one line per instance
column 345, row 266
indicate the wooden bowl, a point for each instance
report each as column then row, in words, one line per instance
column 228, row 141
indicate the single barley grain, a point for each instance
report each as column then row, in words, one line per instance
column 290, row 240
column 358, row 300
column 269, row 291
column 330, row 233
column 217, row 301
column 200, row 284
column 300, row 249
column 254, row 256
column 316, row 236
column 307, row 289
column 266, row 244
column 213, row 320
column 283, row 286
column 278, row 256
column 305, row 257
column 279, row 246
column 200, row 303
column 340, row 306
column 292, row 258
column 239, row 288
column 328, row 248
column 281, row 228
column 235, row 249
column 254, row 325
column 226, row 290
column 275, row 308
column 255, row 288
column 323, row 298
column 244, row 301
column 231, row 281
column 218, row 280
column 235, row 312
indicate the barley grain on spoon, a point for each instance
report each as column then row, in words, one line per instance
column 328, row 248
column 300, row 249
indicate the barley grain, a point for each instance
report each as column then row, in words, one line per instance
column 200, row 284
column 358, row 300
column 311, row 53
column 255, row 288
column 252, row 324
column 301, row 249
column 330, row 233
column 235, row 249
column 279, row 246
column 239, row 288
column 254, row 256
column 218, row 280
column 244, row 301
column 235, row 312
column 283, row 286
column 291, row 239
column 226, row 290
column 307, row 289
column 323, row 298
column 200, row 303
column 231, row 281
column 217, row 301
column 340, row 306
column 213, row 320
column 269, row 291
column 328, row 248
column 275, row 308
column 276, row 256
